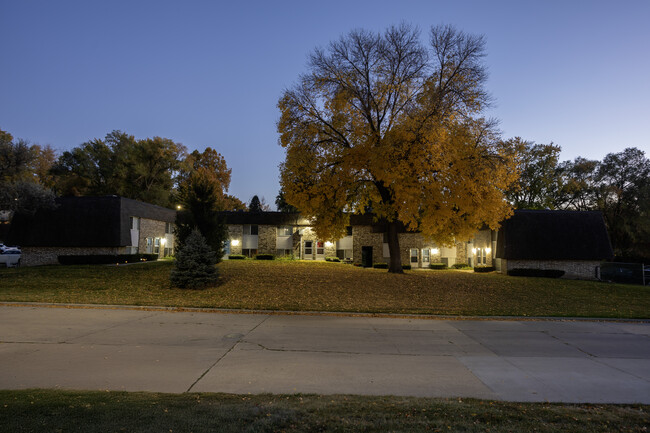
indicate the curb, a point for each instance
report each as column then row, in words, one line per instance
column 316, row 313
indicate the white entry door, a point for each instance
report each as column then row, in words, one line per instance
column 308, row 250
column 320, row 250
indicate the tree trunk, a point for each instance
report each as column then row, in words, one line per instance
column 395, row 265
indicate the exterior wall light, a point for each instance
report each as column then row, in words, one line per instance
column 163, row 241
column 435, row 251
column 488, row 250
column 328, row 244
column 473, row 250
column 234, row 242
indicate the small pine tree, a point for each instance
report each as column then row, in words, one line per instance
column 194, row 267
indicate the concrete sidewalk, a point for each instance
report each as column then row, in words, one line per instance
column 122, row 349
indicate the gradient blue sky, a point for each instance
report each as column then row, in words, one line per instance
column 209, row 73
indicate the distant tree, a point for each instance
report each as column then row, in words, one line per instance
column 282, row 205
column 201, row 192
column 538, row 183
column 23, row 182
column 382, row 119
column 254, row 205
column 623, row 195
column 577, row 180
column 138, row 169
column 194, row 266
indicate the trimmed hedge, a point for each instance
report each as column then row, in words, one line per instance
column 484, row 269
column 437, row 266
column 380, row 266
column 544, row 273
column 264, row 257
column 236, row 257
column 332, row 259
column 105, row 259
column 461, row 266
column 406, row 267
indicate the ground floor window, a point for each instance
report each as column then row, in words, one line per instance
column 252, row 252
column 320, row 248
column 344, row 254
column 149, row 246
column 414, row 255
column 283, row 253
column 156, row 246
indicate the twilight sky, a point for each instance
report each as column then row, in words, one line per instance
column 210, row 73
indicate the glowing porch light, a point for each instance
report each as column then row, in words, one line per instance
column 473, row 250
column 328, row 244
column 234, row 242
column 435, row 251
column 488, row 250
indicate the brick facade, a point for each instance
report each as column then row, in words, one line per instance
column 574, row 269
column 38, row 256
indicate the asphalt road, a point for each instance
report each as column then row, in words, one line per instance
column 135, row 350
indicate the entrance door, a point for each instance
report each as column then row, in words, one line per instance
column 366, row 257
column 320, row 250
column 426, row 257
column 308, row 250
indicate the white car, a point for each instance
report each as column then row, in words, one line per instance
column 10, row 256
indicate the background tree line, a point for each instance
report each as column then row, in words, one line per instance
column 618, row 186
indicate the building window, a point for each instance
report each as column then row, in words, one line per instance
column 320, row 248
column 348, row 231
column 149, row 246
column 249, row 252
column 284, row 253
column 414, row 255
column 169, row 227
column 285, row 231
column 344, row 254
column 308, row 248
column 251, row 229
column 156, row 246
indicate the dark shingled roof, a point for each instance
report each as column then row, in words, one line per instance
column 84, row 222
column 554, row 235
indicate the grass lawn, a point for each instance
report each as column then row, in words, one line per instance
column 305, row 286
column 75, row 411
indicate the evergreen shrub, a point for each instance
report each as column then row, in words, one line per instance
column 264, row 257
column 461, row 266
column 194, row 267
column 236, row 257
column 437, row 266
column 380, row 266
column 484, row 269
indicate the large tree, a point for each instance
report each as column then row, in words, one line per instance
column 383, row 121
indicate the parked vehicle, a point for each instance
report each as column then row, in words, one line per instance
column 10, row 256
